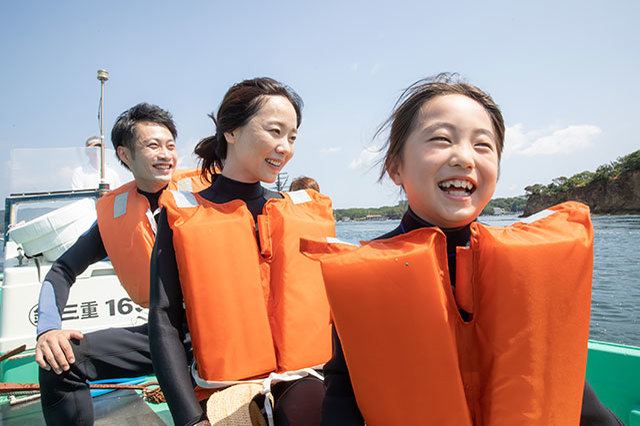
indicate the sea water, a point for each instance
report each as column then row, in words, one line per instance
column 615, row 306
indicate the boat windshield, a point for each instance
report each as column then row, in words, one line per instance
column 26, row 211
column 60, row 169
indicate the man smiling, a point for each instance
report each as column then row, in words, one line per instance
column 144, row 139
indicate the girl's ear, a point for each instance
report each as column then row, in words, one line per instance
column 124, row 154
column 395, row 172
column 231, row 136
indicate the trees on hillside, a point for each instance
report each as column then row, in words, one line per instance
column 603, row 173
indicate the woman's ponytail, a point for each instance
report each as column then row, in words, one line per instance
column 212, row 151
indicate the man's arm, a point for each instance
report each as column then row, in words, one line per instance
column 52, row 348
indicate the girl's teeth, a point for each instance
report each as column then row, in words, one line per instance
column 456, row 183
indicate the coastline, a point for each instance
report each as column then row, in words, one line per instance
column 618, row 196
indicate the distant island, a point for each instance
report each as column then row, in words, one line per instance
column 497, row 206
column 371, row 213
column 613, row 188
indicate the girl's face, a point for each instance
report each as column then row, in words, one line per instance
column 259, row 150
column 449, row 163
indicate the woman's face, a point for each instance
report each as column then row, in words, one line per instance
column 449, row 163
column 259, row 150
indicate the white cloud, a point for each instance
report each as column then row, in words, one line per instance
column 331, row 150
column 365, row 160
column 538, row 142
column 514, row 140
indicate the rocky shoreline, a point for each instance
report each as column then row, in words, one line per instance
column 617, row 196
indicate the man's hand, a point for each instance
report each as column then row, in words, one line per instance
column 54, row 351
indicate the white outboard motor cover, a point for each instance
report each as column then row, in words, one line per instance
column 53, row 233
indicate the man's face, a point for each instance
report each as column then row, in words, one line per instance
column 154, row 156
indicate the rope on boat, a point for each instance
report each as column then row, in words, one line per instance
column 30, row 355
column 12, row 352
column 21, row 356
column 14, row 401
column 153, row 395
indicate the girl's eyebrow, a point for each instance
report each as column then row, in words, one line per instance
column 485, row 132
column 448, row 126
column 438, row 125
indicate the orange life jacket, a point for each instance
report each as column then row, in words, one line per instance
column 127, row 229
column 252, row 308
column 412, row 359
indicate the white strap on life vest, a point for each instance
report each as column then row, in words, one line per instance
column 184, row 185
column 184, row 199
column 211, row 384
column 120, row 204
column 334, row 240
column 267, row 382
column 300, row 196
column 152, row 220
column 540, row 215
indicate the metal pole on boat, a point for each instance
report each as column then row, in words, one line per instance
column 103, row 76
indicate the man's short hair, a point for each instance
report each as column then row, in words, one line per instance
column 124, row 130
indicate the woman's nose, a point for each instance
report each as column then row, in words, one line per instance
column 285, row 148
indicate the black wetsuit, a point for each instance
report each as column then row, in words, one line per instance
column 166, row 316
column 103, row 354
column 340, row 407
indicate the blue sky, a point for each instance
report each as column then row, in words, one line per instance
column 564, row 74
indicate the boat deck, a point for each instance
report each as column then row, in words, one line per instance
column 612, row 370
column 117, row 408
